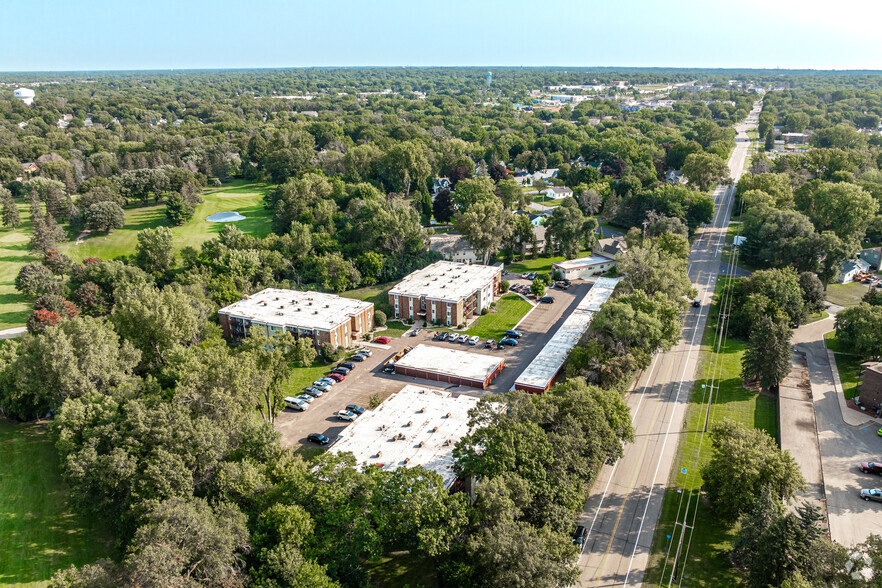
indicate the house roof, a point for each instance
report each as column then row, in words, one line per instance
column 449, row 243
column 572, row 264
column 612, row 246
column 855, row 265
column 560, row 189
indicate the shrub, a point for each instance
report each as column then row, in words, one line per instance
column 484, row 311
column 379, row 318
column 504, row 286
column 374, row 401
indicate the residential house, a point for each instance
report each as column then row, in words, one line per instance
column 872, row 256
column 795, row 138
column 673, row 176
column 439, row 184
column 539, row 232
column 536, row 218
column 850, row 268
column 610, row 247
column 30, row 167
column 453, row 247
column 584, row 267
column 557, row 192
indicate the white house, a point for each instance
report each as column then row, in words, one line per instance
column 453, row 247
column 850, row 268
column 557, row 192
column 584, row 267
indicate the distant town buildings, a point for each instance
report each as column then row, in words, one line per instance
column 324, row 318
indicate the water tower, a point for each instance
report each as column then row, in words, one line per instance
column 489, row 78
column 26, row 95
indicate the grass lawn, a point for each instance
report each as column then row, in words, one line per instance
column 847, row 364
column 305, row 376
column 40, row 532
column 378, row 294
column 245, row 199
column 708, row 561
column 394, row 329
column 402, row 570
column 15, row 307
column 540, row 264
column 815, row 317
column 846, row 294
column 510, row 309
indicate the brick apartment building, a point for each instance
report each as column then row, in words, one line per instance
column 446, row 292
column 324, row 318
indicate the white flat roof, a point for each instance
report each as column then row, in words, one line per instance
column 308, row 310
column 414, row 412
column 455, row 362
column 572, row 264
column 545, row 366
column 446, row 280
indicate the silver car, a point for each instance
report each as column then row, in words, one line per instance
column 872, row 494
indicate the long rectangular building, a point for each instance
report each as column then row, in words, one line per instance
column 538, row 377
column 451, row 366
column 446, row 292
column 324, row 318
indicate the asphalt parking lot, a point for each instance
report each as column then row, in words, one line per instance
column 368, row 378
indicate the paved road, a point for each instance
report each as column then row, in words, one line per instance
column 842, row 444
column 625, row 501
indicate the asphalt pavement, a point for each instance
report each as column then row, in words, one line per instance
column 625, row 501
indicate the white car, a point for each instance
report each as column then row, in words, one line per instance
column 295, row 404
column 463, row 338
column 474, row 340
column 305, row 398
column 346, row 415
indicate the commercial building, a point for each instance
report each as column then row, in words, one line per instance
column 451, row 366
column 584, row 267
column 871, row 385
column 413, row 427
column 538, row 377
column 446, row 292
column 324, row 318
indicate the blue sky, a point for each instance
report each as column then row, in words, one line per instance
column 41, row 35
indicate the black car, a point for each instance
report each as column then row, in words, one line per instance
column 318, row 438
column 513, row 334
column 359, row 410
column 547, row 299
column 340, row 370
column 358, row 357
column 579, row 536
column 346, row 364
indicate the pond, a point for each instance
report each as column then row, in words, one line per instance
column 225, row 217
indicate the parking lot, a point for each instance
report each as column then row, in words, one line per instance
column 368, row 378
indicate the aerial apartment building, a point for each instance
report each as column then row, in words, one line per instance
column 446, row 292
column 324, row 318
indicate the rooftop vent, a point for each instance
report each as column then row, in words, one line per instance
column 379, row 453
column 447, row 416
column 422, row 443
column 422, row 410
column 277, row 297
column 435, row 430
column 314, row 312
column 406, row 460
column 327, row 306
column 409, row 423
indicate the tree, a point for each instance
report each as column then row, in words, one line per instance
column 652, row 270
column 767, row 358
column 704, row 170
column 470, row 191
column 640, row 321
column 443, row 207
column 742, row 462
column 812, row 292
column 566, row 228
column 35, row 279
column 779, row 238
column 676, row 245
column 404, row 166
column 485, row 225
column 11, row 217
column 590, row 201
column 275, row 364
column 511, row 193
column 537, row 288
column 154, row 252
column 859, row 329
column 78, row 356
column 305, row 352
column 46, row 233
column 844, row 208
column 833, row 252
column 379, row 318
column 177, row 210
column 769, row 143
column 104, row 216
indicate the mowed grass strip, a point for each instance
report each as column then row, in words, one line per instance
column 510, row 309
column 540, row 264
column 39, row 532
column 15, row 307
column 847, row 364
column 708, row 561
column 846, row 294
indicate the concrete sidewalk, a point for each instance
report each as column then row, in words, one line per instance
column 13, row 332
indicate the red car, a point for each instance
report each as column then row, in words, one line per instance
column 337, row 377
column 870, row 467
column 383, row 340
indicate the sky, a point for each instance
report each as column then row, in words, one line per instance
column 91, row 35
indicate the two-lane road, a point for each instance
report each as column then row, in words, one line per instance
column 625, row 501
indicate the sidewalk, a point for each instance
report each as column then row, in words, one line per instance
column 13, row 332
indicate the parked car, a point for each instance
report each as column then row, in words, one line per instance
column 365, row 352
column 513, row 334
column 295, row 404
column 347, row 364
column 313, row 391
column 489, row 344
column 355, row 408
column 327, row 381
column 474, row 340
column 561, row 286
column 579, row 536
column 345, row 415
column 872, row 494
column 500, row 345
column 382, row 340
column 389, row 367
column 463, row 338
column 305, row 398
column 321, row 385
column 525, row 276
column 340, row 370
column 358, row 357
column 318, row 438
column 508, row 341
column 415, row 332
column 453, row 338
column 436, row 335
column 547, row 299
column 443, row 336
column 871, row 467
column 337, row 377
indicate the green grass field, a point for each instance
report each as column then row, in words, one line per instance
column 402, row 570
column 14, row 306
column 847, row 364
column 378, row 294
column 708, row 560
column 510, row 309
column 245, row 198
column 39, row 533
column 846, row 294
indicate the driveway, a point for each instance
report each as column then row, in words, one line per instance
column 845, row 438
